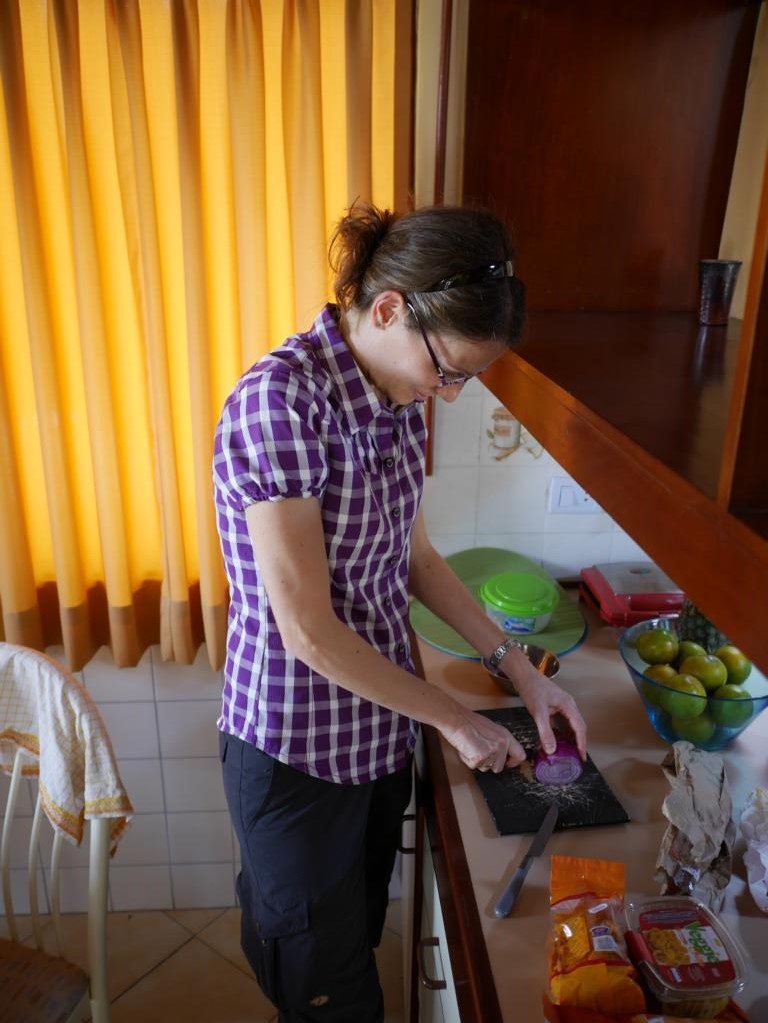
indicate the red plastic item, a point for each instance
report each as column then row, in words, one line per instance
column 626, row 592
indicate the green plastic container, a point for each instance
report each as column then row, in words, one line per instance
column 519, row 602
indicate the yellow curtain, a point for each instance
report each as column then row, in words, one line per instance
column 170, row 173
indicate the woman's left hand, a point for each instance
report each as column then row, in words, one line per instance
column 544, row 699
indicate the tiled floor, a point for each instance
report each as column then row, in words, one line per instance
column 187, row 965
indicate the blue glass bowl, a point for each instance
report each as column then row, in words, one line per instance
column 719, row 722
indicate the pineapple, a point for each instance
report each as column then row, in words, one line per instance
column 692, row 624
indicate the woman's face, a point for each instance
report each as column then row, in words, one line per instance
column 405, row 362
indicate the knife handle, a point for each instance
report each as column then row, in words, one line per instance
column 509, row 895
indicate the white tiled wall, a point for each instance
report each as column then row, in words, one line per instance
column 180, row 851
column 480, row 497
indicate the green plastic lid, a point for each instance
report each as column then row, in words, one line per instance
column 520, row 593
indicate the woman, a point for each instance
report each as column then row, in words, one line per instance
column 318, row 470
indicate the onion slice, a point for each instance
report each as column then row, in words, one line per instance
column 558, row 768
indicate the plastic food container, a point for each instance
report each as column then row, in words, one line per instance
column 689, row 961
column 519, row 602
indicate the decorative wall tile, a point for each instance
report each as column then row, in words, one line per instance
column 505, row 440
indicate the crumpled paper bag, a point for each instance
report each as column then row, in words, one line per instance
column 696, row 851
column 754, row 828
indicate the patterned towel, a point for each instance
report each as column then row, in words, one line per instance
column 49, row 714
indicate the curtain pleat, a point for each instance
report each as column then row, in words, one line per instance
column 17, row 421
column 170, row 174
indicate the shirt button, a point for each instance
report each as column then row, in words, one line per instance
column 393, row 560
column 387, row 601
column 401, row 648
column 396, row 512
column 389, row 462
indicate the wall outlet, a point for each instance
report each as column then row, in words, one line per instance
column 566, row 497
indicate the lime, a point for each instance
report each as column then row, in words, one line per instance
column 687, row 648
column 737, row 665
column 657, row 646
column 658, row 673
column 683, row 697
column 695, row 730
column 708, row 669
column 730, row 706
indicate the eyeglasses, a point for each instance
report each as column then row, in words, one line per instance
column 477, row 275
column 486, row 274
column 444, row 379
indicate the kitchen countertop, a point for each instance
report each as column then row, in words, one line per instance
column 628, row 752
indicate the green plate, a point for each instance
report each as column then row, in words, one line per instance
column 566, row 628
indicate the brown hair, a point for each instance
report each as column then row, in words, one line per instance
column 375, row 250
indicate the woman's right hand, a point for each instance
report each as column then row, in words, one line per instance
column 483, row 744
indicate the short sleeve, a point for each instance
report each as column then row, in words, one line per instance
column 269, row 443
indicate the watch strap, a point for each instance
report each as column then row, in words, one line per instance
column 501, row 650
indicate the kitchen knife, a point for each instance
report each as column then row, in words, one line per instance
column 547, row 826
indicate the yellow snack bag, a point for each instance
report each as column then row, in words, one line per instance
column 589, row 966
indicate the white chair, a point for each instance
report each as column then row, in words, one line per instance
column 50, row 728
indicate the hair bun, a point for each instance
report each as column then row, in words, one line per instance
column 353, row 246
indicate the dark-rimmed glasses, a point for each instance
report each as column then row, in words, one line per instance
column 444, row 379
column 488, row 273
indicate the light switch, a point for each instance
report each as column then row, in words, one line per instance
column 566, row 497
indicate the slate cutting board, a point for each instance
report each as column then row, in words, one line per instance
column 566, row 628
column 518, row 805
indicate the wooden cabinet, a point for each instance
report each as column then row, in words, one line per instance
column 607, row 133
column 437, row 991
column 585, row 127
column 446, row 943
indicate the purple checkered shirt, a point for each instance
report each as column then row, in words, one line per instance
column 304, row 422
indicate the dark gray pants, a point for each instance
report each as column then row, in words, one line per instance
column 317, row 858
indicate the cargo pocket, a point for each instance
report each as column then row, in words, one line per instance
column 257, row 943
column 283, row 935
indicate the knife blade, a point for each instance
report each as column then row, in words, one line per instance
column 540, row 839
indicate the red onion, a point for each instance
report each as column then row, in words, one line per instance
column 558, row 768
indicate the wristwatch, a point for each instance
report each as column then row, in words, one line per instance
column 498, row 654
